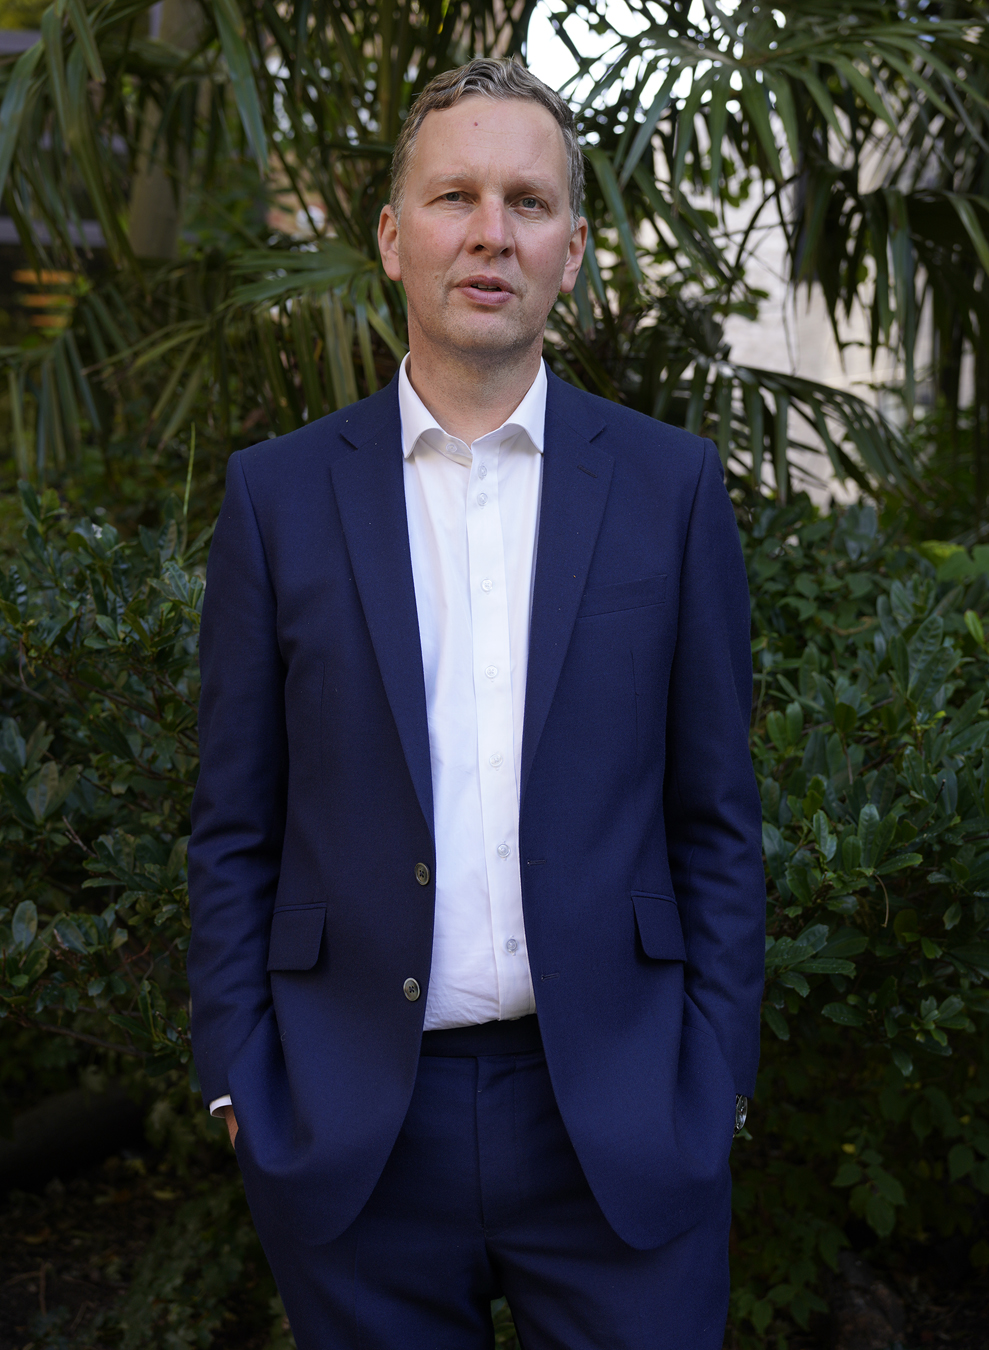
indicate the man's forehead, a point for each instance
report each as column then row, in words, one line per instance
column 515, row 136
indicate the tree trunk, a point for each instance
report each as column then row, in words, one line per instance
column 156, row 198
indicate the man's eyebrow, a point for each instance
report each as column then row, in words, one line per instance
column 462, row 178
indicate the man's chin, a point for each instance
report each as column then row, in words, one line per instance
column 487, row 341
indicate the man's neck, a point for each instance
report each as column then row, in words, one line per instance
column 470, row 399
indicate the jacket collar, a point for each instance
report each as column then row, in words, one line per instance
column 370, row 492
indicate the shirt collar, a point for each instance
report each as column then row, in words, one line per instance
column 529, row 417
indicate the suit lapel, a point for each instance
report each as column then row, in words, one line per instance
column 576, row 478
column 370, row 491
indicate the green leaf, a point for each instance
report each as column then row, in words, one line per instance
column 845, row 718
column 952, row 915
column 42, row 790
column 51, row 36
column 851, row 853
column 932, row 675
column 887, row 1185
column 961, row 1160
column 966, row 214
column 844, row 1014
column 868, row 828
column 794, row 723
column 24, row 924
column 183, row 409
column 905, row 924
column 973, row 954
column 880, row 1215
column 761, row 1314
column 83, row 30
column 776, row 728
column 826, row 841
column 756, row 104
column 776, row 1021
column 902, row 1061
column 974, row 625
column 849, row 1174
column 802, row 882
column 925, row 644
column 865, row 87
column 231, row 28
column 899, row 862
column 793, row 980
column 608, row 182
column 900, row 660
column 70, row 937
column 645, row 132
column 12, row 108
column 826, row 965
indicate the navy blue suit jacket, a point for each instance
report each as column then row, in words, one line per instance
column 642, row 880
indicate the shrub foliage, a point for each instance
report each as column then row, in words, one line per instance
column 869, row 735
column 871, row 1124
column 98, row 755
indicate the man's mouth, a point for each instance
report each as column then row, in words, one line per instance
column 483, row 283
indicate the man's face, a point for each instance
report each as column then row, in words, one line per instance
column 485, row 243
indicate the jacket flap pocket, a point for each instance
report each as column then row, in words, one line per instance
column 658, row 921
column 296, row 933
column 626, row 595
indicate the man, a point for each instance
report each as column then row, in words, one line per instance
column 477, row 894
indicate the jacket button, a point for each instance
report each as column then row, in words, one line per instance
column 422, row 874
column 411, row 990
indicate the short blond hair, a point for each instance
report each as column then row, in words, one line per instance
column 498, row 78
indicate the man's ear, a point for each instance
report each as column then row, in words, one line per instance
column 575, row 256
column 388, row 243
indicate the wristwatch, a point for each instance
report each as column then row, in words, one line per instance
column 741, row 1112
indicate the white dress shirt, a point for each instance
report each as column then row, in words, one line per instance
column 472, row 514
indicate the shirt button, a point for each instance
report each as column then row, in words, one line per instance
column 486, row 584
column 411, row 990
column 496, row 760
column 511, row 946
column 482, row 497
column 482, row 471
column 422, row 874
column 491, row 671
column 451, row 447
column 504, row 850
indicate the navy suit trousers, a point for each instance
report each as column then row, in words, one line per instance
column 483, row 1196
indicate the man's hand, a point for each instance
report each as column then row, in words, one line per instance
column 231, row 1119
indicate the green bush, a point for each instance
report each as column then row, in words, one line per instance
column 97, row 764
column 871, row 1124
column 869, row 736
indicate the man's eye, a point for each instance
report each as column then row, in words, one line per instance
column 529, row 203
column 452, row 196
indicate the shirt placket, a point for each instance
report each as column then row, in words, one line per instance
column 491, row 645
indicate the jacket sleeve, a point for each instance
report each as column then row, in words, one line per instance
column 712, row 809
column 238, row 811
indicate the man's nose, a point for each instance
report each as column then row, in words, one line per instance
column 491, row 228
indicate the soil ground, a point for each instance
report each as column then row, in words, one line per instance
column 73, row 1249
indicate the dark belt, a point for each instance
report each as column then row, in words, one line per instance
column 520, row 1037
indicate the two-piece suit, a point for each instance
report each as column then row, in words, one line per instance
column 639, row 820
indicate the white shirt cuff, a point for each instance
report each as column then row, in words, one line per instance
column 216, row 1106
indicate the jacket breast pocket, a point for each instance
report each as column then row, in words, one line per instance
column 624, row 595
column 296, row 935
column 658, row 921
